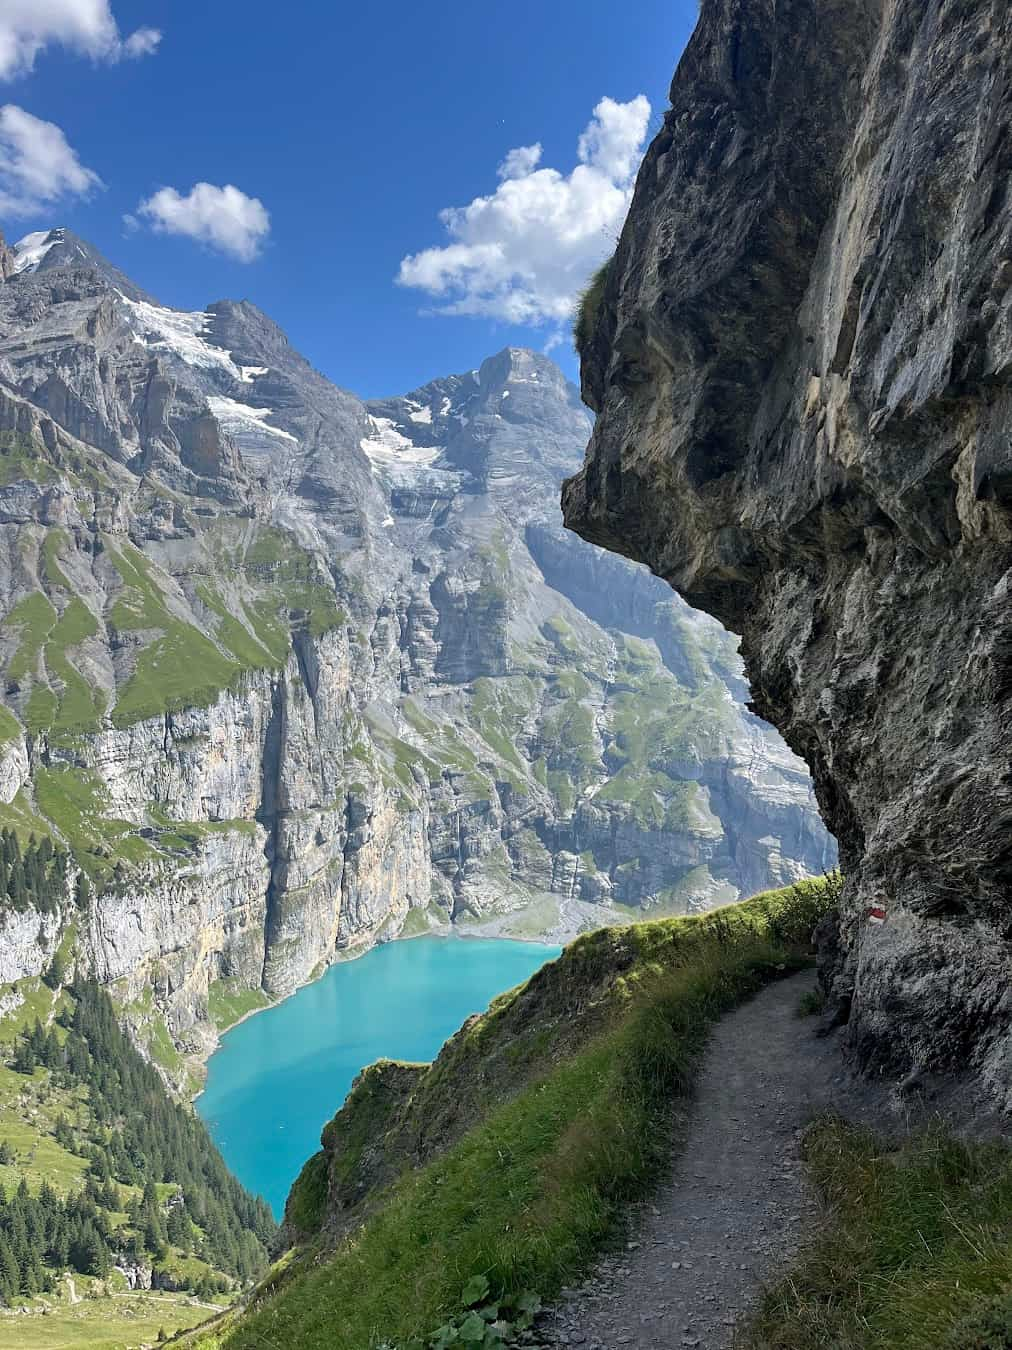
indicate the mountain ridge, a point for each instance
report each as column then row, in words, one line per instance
column 313, row 663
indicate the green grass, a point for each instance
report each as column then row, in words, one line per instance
column 228, row 1002
column 30, row 1105
column 21, row 817
column 275, row 556
column 74, row 801
column 270, row 630
column 44, row 633
column 188, row 836
column 10, row 727
column 497, row 709
column 247, row 648
column 920, row 1245
column 20, row 458
column 589, row 306
column 419, row 922
column 80, row 706
column 812, row 1002
column 530, row 1192
column 35, row 619
column 115, row 1322
column 181, row 668
column 51, row 545
column 41, row 710
column 28, row 1111
column 306, row 1207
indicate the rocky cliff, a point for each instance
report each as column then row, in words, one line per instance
column 802, row 366
column 290, row 673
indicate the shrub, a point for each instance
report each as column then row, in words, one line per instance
column 918, row 1257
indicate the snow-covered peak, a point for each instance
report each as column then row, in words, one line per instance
column 29, row 251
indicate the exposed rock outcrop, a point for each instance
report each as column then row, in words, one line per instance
column 802, row 365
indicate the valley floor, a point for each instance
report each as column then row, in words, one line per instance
column 122, row 1321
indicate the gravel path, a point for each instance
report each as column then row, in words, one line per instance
column 737, row 1206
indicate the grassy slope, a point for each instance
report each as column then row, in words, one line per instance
column 30, row 1105
column 273, row 588
column 921, row 1245
column 531, row 1191
column 108, row 1317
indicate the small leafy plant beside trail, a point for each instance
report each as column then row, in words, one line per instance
column 481, row 1325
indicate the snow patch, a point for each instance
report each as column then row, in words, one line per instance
column 387, row 446
column 249, row 373
column 423, row 415
column 29, row 251
column 240, row 419
column 387, row 522
column 181, row 333
column 447, row 405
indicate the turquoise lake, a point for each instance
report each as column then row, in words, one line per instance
column 279, row 1076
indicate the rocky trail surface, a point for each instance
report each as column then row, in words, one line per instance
column 736, row 1206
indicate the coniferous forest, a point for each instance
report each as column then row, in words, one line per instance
column 156, row 1190
column 36, row 877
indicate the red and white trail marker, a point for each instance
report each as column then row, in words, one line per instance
column 876, row 914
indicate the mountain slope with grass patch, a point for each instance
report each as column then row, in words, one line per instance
column 548, row 1115
column 288, row 674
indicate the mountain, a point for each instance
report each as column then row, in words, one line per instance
column 290, row 673
column 801, row 359
column 48, row 250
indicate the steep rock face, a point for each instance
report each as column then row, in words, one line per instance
column 802, row 368
column 290, row 673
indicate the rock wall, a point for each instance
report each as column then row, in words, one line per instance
column 802, row 366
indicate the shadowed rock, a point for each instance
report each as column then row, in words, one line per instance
column 802, row 365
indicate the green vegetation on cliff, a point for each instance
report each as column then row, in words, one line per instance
column 180, row 669
column 513, row 1156
column 589, row 306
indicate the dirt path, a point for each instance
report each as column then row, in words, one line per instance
column 737, row 1206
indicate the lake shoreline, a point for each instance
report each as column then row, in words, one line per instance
column 449, row 932
column 273, row 1086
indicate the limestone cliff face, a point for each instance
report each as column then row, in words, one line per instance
column 802, row 366
column 291, row 673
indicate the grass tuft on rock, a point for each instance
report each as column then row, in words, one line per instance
column 589, row 306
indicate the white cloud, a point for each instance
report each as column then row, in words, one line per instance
column 142, row 42
column 37, row 166
column 83, row 26
column 222, row 217
column 520, row 162
column 525, row 252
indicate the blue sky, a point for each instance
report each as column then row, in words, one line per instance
column 353, row 127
